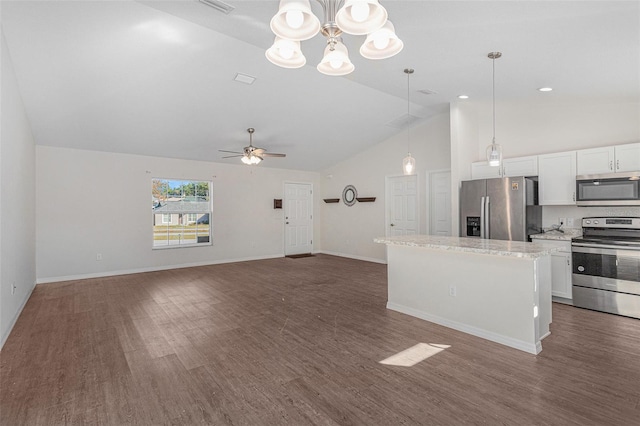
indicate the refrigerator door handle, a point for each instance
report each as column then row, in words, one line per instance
column 487, row 228
column 482, row 224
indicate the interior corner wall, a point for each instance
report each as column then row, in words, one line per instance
column 17, row 200
column 95, row 202
column 349, row 230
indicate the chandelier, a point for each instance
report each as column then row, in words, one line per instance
column 295, row 22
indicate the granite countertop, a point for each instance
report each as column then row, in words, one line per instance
column 568, row 234
column 473, row 245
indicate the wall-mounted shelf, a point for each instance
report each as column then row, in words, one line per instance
column 332, row 200
column 366, row 199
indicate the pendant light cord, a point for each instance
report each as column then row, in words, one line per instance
column 408, row 71
column 493, row 94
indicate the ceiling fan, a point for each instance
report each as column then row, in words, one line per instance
column 251, row 154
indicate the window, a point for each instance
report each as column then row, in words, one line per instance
column 181, row 213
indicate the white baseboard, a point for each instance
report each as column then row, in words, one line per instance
column 353, row 256
column 478, row 332
column 149, row 269
column 6, row 334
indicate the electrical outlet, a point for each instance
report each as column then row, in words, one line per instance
column 570, row 222
column 562, row 221
column 452, row 290
column 98, row 256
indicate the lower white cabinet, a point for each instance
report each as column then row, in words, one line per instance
column 561, row 269
column 561, row 275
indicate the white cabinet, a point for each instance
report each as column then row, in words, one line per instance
column 557, row 178
column 482, row 170
column 561, row 269
column 609, row 159
column 628, row 157
column 520, row 166
column 596, row 160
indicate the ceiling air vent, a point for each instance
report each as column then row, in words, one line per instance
column 403, row 121
column 218, row 5
column 427, row 92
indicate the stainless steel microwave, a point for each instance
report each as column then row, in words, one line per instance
column 612, row 189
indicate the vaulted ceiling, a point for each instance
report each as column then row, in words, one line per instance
column 157, row 77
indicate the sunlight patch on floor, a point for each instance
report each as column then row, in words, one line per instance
column 415, row 354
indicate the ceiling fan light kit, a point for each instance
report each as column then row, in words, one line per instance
column 251, row 155
column 295, row 22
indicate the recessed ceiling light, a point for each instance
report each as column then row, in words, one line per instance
column 463, row 96
column 545, row 89
column 244, row 78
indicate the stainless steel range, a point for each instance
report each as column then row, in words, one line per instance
column 606, row 265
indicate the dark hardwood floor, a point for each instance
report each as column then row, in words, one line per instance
column 295, row 341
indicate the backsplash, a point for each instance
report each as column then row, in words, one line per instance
column 552, row 214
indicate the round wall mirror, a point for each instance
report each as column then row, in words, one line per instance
column 349, row 195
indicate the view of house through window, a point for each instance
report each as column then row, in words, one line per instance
column 181, row 212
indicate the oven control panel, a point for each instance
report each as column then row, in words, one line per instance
column 611, row 222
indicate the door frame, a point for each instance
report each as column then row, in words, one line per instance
column 387, row 199
column 284, row 210
column 429, row 201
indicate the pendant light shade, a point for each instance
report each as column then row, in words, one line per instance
column 360, row 17
column 494, row 154
column 295, row 21
column 286, row 53
column 494, row 151
column 336, row 61
column 408, row 163
column 382, row 44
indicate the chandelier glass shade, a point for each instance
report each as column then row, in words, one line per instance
column 295, row 22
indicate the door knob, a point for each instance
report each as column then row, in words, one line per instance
column 392, row 224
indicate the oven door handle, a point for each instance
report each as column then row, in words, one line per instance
column 605, row 249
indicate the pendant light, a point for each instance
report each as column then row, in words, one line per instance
column 494, row 151
column 408, row 163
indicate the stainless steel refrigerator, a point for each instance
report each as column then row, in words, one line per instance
column 500, row 208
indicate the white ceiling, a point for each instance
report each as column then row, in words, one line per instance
column 156, row 77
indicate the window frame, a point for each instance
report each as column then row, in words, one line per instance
column 183, row 217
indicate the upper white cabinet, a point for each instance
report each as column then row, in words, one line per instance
column 557, row 178
column 628, row 157
column 610, row 159
column 482, row 170
column 520, row 166
column 596, row 160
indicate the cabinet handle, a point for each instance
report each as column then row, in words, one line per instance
column 617, row 164
column 568, row 263
column 611, row 165
column 574, row 195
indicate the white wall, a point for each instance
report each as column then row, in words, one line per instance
column 93, row 202
column 349, row 231
column 17, row 201
column 544, row 126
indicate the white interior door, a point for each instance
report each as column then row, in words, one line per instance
column 402, row 205
column 298, row 218
column 440, row 203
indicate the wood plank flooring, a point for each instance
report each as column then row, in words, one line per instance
column 298, row 342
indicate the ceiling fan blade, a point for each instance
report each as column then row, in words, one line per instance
column 273, row 154
column 232, row 152
column 258, row 151
column 234, row 156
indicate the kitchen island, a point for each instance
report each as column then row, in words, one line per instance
column 497, row 290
